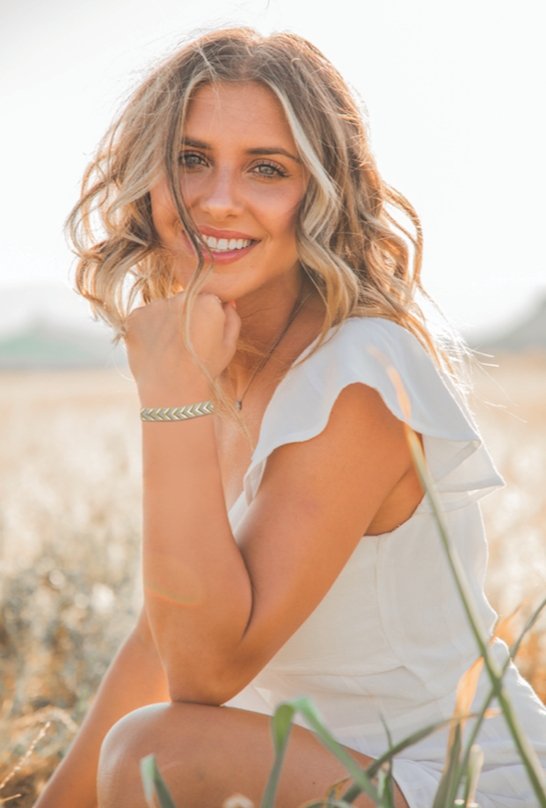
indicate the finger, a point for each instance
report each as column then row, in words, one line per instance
column 210, row 303
column 210, row 296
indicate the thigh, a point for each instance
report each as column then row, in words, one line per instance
column 207, row 754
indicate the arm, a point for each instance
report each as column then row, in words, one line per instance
column 219, row 609
column 135, row 678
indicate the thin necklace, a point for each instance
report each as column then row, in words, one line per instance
column 267, row 356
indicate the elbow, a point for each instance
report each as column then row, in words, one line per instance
column 181, row 694
column 212, row 688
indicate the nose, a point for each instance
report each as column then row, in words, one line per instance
column 221, row 197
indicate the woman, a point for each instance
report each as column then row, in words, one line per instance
column 287, row 547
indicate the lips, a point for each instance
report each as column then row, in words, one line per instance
column 226, row 245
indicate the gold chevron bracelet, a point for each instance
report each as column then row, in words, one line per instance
column 177, row 413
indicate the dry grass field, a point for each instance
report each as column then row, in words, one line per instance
column 510, row 407
column 69, row 537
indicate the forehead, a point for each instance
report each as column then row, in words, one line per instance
column 247, row 110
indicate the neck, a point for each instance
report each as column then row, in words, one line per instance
column 264, row 315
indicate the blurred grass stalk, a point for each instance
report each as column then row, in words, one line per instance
column 527, row 753
column 462, row 767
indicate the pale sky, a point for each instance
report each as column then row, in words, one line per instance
column 454, row 90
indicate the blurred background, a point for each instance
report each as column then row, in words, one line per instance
column 454, row 96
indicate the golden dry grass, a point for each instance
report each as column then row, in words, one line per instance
column 510, row 406
column 69, row 537
column 70, row 527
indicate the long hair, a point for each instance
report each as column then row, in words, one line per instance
column 350, row 239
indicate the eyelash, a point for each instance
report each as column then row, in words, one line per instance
column 185, row 155
column 279, row 171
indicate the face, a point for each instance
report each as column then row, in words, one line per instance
column 242, row 182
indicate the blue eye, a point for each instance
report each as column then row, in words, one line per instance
column 269, row 170
column 190, row 160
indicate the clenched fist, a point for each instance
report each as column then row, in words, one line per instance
column 156, row 349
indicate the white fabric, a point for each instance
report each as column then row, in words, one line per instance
column 390, row 639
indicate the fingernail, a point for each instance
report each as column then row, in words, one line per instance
column 234, row 304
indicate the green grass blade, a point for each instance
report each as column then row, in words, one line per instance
column 372, row 770
column 307, row 708
column 387, row 731
column 452, row 775
column 281, row 724
column 154, row 783
column 475, row 764
column 457, row 569
column 412, row 739
column 384, row 778
column 526, row 752
column 147, row 766
column 491, row 695
column 385, row 789
column 476, row 728
column 527, row 627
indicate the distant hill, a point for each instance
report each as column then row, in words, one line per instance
column 47, row 325
column 530, row 333
column 41, row 345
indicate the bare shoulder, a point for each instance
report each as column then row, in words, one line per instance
column 351, row 467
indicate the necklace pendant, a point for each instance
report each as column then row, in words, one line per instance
column 267, row 356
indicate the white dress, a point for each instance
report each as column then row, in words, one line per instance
column 390, row 637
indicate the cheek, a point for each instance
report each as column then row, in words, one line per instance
column 291, row 208
column 289, row 222
column 280, row 214
column 163, row 211
column 192, row 186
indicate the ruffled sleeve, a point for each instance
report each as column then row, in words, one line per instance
column 300, row 407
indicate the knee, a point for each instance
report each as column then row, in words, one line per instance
column 119, row 782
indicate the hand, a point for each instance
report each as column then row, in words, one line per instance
column 158, row 356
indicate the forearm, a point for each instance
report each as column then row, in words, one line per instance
column 197, row 589
column 134, row 679
column 196, row 586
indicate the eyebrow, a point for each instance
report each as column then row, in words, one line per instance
column 272, row 150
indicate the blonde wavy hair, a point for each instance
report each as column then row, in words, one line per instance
column 350, row 241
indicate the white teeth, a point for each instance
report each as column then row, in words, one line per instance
column 223, row 244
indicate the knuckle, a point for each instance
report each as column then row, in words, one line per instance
column 207, row 301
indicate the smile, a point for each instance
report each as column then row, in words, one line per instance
column 226, row 245
column 226, row 250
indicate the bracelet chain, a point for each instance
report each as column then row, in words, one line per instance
column 177, row 413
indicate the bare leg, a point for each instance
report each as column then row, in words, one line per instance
column 206, row 754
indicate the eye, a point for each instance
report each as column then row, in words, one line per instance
column 191, row 160
column 269, row 170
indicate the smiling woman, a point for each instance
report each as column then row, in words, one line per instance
column 347, row 239
column 286, row 547
column 242, row 184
